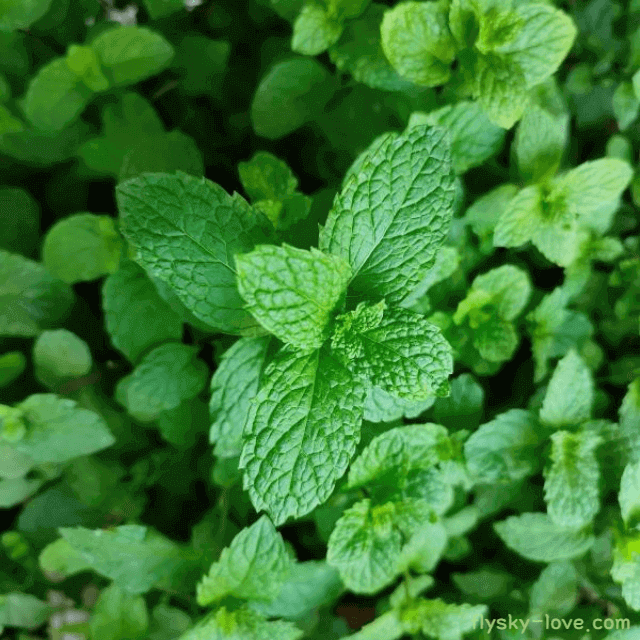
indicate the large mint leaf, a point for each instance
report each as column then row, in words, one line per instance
column 571, row 481
column 253, row 567
column 394, row 213
column 292, row 292
column 185, row 231
column 136, row 317
column 233, row 387
column 395, row 349
column 301, row 433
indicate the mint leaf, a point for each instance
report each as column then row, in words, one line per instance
column 292, row 292
column 21, row 220
column 536, row 537
column 301, row 433
column 253, row 567
column 162, row 8
column 395, row 349
column 84, row 63
column 402, row 197
column 266, row 177
column 119, row 615
column 626, row 105
column 626, row 568
column 504, row 449
column 555, row 590
column 439, row 619
column 23, row 610
column 137, row 318
column 185, row 231
column 520, row 218
column 571, row 481
column 380, row 406
column 13, row 491
column 234, row 385
column 569, row 396
column 82, row 247
column 59, row 355
column 483, row 215
column 314, row 30
column 21, row 15
column 417, row 42
column 165, row 377
column 12, row 364
column 629, row 495
column 496, row 340
column 129, row 54
column 58, row 430
column 462, row 408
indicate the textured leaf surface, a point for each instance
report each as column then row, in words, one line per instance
column 314, row 30
column 266, row 177
column 629, row 496
column 185, row 231
column 439, row 619
column 393, row 215
column 301, row 433
column 380, row 406
column 253, row 567
column 292, row 292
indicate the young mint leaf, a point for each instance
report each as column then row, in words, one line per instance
column 59, row 355
column 392, row 217
column 129, row 53
column 84, row 63
column 12, row 365
column 234, row 385
column 626, row 105
column 536, row 537
column 380, row 406
column 417, row 42
column 301, row 433
column 185, row 231
column 395, row 349
column 82, row 247
column 314, row 30
column 21, row 15
column 504, row 449
column 555, row 590
column 241, row 624
column 441, row 620
column 571, row 481
column 266, row 177
column 626, row 568
column 629, row 495
column 474, row 138
column 58, row 430
column 520, row 218
column 483, row 215
column 569, row 396
column 119, row 615
column 496, row 339
column 21, row 220
column 23, row 611
column 292, row 292
column 253, row 567
column 165, row 377
column 136, row 317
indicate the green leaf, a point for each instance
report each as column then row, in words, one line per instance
column 136, row 317
column 314, row 30
column 483, row 215
column 163, row 8
column 16, row 490
column 241, row 624
column 474, row 138
column 495, row 339
column 300, row 434
column 394, row 349
column 23, row 610
column 390, row 233
column 82, row 247
column 55, row 97
column 380, row 406
column 569, row 396
column 58, row 430
column 185, row 231
column 253, row 567
column 12, row 365
column 61, row 558
column 536, row 537
column 630, row 419
column 483, row 584
column 289, row 95
column 626, row 569
column 59, row 355
column 266, row 177
column 417, row 42
column 292, row 292
column 84, row 63
column 462, row 408
column 21, row 15
column 166, row 376
column 555, row 590
column 386, row 626
column 119, row 615
column 446, row 264
column 439, row 619
column 571, row 481
column 626, row 105
column 234, row 385
column 167, row 621
column 20, row 220
column 130, row 53
column 629, row 495
column 109, row 552
column 504, row 449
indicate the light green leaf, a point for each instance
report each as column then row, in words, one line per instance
column 167, row 621
column 55, row 96
column 292, row 292
column 626, row 105
column 484, row 584
column 20, row 220
column 569, row 396
column 23, row 610
column 84, row 63
column 165, row 377
column 136, row 317
column 300, row 434
column 410, row 205
column 474, row 138
column 536, row 537
column 629, row 496
column 344, row 9
column 571, row 481
column 59, row 355
column 129, row 53
column 12, row 364
column 504, row 449
column 22, row 14
column 483, row 215
column 234, row 385
column 266, row 177
column 626, row 568
column 380, row 406
column 417, row 42
column 119, row 615
column 630, row 420
column 395, row 349
column 555, row 591
column 82, row 247
column 16, row 490
column 520, row 218
column 185, row 231
column 441, row 620
column 253, row 567
column 495, row 339
column 314, row 30
column 387, row 626
column 446, row 264
column 61, row 558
